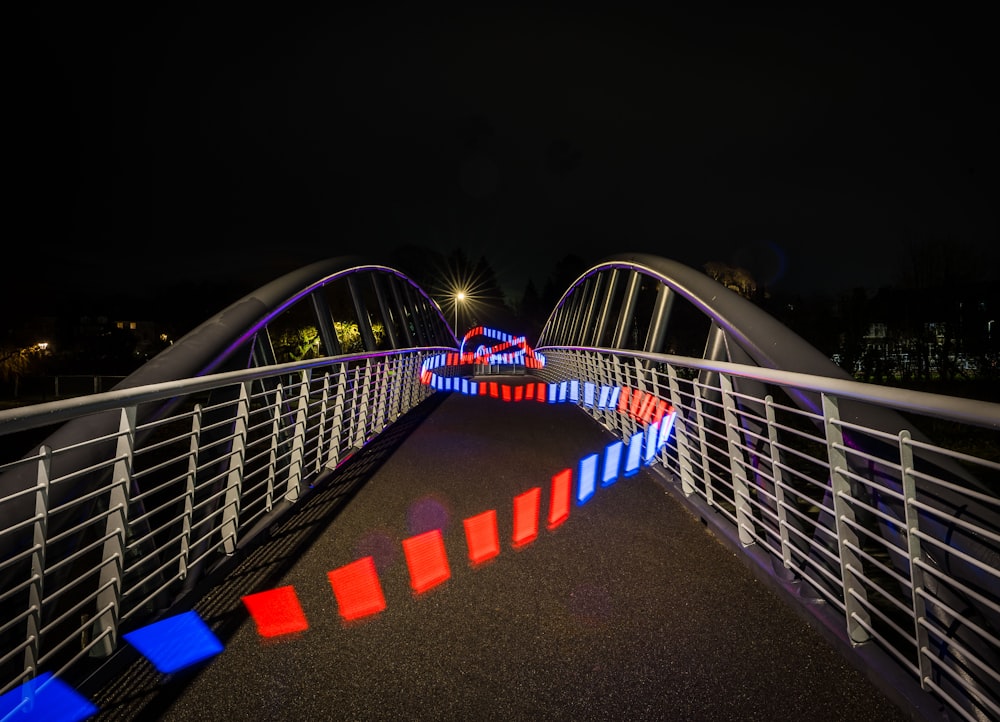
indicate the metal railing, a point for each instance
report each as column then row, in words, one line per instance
column 826, row 481
column 897, row 537
column 101, row 534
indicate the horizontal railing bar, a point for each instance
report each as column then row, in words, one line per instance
column 100, row 516
column 970, row 411
column 57, row 412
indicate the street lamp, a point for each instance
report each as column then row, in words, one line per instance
column 460, row 296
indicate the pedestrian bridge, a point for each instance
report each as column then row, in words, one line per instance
column 323, row 501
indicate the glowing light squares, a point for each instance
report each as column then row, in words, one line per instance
column 481, row 536
column 553, row 393
column 624, row 399
column 526, row 510
column 506, row 391
column 529, row 392
column 276, row 612
column 634, row 454
column 494, row 390
column 612, row 463
column 588, row 393
column 587, row 484
column 45, row 698
column 562, row 484
column 635, row 402
column 518, row 393
column 426, row 558
column 666, row 427
column 357, row 589
column 540, row 391
column 648, row 408
column 652, row 434
column 175, row 643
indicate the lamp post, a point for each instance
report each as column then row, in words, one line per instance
column 460, row 296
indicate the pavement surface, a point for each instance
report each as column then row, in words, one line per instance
column 630, row 609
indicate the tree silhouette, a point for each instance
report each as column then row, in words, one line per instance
column 18, row 361
column 733, row 277
column 567, row 269
column 531, row 311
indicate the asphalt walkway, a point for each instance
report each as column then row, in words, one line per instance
column 630, row 609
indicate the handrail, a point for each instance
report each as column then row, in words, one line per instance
column 60, row 411
column 131, row 509
column 850, row 506
column 985, row 414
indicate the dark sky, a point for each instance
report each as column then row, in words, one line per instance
column 212, row 146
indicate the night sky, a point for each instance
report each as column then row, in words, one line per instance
column 155, row 147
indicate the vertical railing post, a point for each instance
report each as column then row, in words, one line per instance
column 409, row 380
column 234, row 479
column 699, row 420
column 381, row 394
column 741, row 488
column 592, row 373
column 353, row 409
column 914, row 552
column 682, row 434
column 337, row 418
column 394, row 380
column 407, row 372
column 653, row 374
column 297, row 460
column 36, row 588
column 191, row 477
column 322, row 453
column 642, row 381
column 850, row 562
column 620, row 421
column 115, row 531
column 778, row 479
column 361, row 427
column 274, row 450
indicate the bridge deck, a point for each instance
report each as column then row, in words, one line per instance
column 630, row 609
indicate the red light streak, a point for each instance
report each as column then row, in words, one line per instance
column 357, row 589
column 526, row 509
column 276, row 612
column 426, row 558
column 559, row 504
column 482, row 537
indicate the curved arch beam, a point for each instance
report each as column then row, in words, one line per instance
column 211, row 343
column 766, row 340
column 200, row 352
